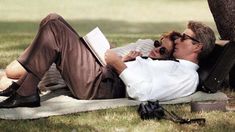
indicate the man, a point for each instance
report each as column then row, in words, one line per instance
column 171, row 79
column 145, row 79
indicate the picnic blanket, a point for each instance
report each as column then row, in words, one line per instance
column 60, row 103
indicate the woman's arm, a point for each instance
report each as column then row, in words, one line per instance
column 131, row 56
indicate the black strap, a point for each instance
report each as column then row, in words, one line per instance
column 177, row 119
column 153, row 110
column 162, row 59
column 168, row 58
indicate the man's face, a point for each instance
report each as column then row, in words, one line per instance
column 185, row 48
column 165, row 43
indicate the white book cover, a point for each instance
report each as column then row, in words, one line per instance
column 98, row 44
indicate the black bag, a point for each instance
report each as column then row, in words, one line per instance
column 216, row 67
column 152, row 110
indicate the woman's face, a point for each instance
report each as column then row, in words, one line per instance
column 163, row 51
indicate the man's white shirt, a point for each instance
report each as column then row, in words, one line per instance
column 148, row 79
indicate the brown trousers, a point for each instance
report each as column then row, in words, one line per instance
column 58, row 42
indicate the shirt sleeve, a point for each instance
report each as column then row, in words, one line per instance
column 136, row 85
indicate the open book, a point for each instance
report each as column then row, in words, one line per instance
column 97, row 43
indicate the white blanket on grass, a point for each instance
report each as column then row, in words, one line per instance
column 59, row 103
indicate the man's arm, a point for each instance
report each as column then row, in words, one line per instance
column 138, row 84
column 115, row 61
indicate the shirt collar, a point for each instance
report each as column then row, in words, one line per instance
column 188, row 64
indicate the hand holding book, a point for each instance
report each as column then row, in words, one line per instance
column 115, row 61
column 98, row 44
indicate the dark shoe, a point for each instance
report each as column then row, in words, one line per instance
column 16, row 100
column 10, row 90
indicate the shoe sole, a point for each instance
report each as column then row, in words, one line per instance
column 31, row 105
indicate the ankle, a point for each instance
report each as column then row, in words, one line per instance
column 26, row 93
column 29, row 85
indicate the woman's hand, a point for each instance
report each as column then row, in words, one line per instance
column 131, row 56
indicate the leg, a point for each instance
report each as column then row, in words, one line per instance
column 4, row 81
column 57, row 42
column 14, row 70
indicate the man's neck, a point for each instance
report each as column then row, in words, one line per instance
column 191, row 58
column 194, row 61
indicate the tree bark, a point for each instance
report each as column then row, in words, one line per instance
column 223, row 12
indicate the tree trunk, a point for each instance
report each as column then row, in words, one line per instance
column 223, row 12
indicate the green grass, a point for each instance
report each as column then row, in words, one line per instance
column 122, row 22
column 123, row 119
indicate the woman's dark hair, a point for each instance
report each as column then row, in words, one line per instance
column 172, row 35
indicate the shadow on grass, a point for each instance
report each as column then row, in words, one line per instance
column 108, row 26
column 44, row 124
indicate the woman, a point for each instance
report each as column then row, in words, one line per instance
column 162, row 50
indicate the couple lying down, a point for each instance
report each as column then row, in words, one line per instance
column 169, row 72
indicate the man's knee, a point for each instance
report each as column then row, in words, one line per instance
column 49, row 17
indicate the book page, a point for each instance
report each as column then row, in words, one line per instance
column 98, row 44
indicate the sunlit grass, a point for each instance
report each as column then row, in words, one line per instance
column 124, row 119
column 124, row 10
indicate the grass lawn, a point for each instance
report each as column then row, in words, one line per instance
column 122, row 22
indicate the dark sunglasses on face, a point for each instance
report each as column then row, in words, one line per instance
column 162, row 50
column 157, row 44
column 185, row 37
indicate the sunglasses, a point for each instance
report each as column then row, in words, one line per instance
column 185, row 37
column 162, row 50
